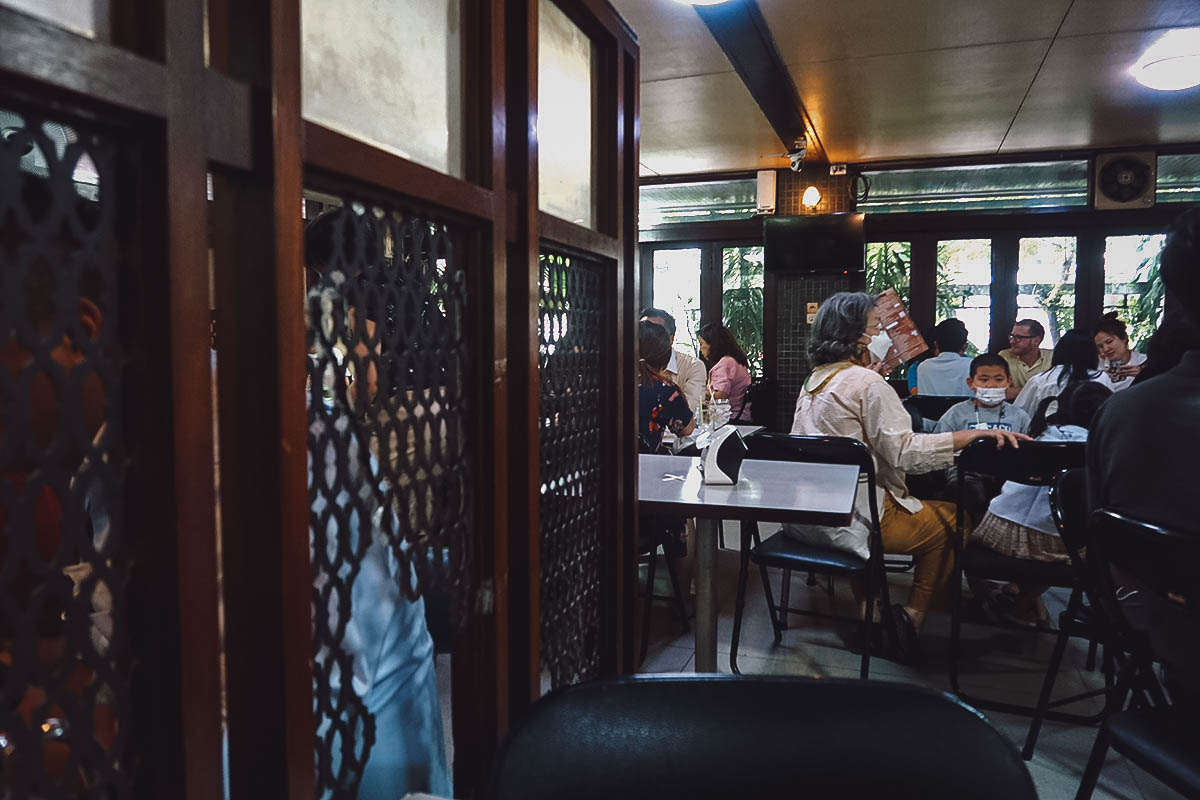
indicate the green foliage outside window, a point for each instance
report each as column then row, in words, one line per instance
column 742, row 300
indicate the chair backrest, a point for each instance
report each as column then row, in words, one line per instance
column 931, row 406
column 725, row 736
column 1068, row 507
column 1163, row 560
column 762, row 395
column 1033, row 463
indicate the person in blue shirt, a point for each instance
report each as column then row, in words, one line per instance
column 945, row 375
column 987, row 410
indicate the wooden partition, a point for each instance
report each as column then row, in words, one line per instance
column 198, row 109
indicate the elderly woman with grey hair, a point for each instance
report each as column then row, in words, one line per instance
column 846, row 396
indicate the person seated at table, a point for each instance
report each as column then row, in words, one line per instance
column 728, row 368
column 1025, row 355
column 910, row 373
column 945, row 375
column 1018, row 521
column 1074, row 359
column 661, row 405
column 685, row 371
column 847, row 396
column 1117, row 359
column 989, row 380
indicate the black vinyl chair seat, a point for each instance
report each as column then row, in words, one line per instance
column 781, row 550
column 722, row 736
column 982, row 562
column 1163, row 741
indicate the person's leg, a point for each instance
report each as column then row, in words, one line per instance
column 927, row 536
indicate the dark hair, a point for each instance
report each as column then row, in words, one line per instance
column 1174, row 337
column 1035, row 328
column 654, row 350
column 950, row 335
column 1077, row 352
column 721, row 343
column 1179, row 262
column 988, row 360
column 1078, row 404
column 1112, row 325
column 658, row 313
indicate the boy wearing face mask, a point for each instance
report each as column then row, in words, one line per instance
column 988, row 380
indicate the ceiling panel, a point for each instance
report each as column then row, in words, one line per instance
column 819, row 30
column 706, row 123
column 1084, row 97
column 1112, row 16
column 935, row 103
column 674, row 40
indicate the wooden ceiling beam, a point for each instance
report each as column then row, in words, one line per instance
column 741, row 31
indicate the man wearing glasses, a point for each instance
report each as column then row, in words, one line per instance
column 1025, row 355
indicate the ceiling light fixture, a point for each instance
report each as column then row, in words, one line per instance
column 812, row 196
column 1172, row 63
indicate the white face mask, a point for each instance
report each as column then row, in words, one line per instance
column 992, row 396
column 879, row 346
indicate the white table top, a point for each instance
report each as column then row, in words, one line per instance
column 775, row 491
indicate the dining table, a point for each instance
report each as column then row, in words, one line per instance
column 766, row 491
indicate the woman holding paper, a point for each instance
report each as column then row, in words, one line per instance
column 846, row 396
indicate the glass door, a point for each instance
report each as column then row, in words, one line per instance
column 677, row 291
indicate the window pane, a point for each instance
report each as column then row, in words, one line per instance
column 1178, row 179
column 1046, row 283
column 964, row 280
column 389, row 74
column 1039, row 185
column 677, row 291
column 697, row 202
column 887, row 267
column 86, row 17
column 1132, row 286
column 564, row 127
column 742, row 300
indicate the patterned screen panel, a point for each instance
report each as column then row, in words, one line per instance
column 65, row 712
column 390, row 462
column 571, row 323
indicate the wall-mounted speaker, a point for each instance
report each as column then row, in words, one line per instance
column 1124, row 180
column 766, row 192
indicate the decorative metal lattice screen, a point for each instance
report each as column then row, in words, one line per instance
column 390, row 477
column 571, row 304
column 65, row 712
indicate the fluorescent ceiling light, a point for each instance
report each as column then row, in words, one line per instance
column 1171, row 63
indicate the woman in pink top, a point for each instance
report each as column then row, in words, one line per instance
column 729, row 369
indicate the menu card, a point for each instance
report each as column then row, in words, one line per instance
column 907, row 342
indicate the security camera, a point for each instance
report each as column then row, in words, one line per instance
column 797, row 153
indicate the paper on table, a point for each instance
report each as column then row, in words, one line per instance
column 907, row 342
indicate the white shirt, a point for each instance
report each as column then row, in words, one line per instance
column 844, row 400
column 944, row 375
column 1046, row 385
column 1135, row 359
column 1029, row 506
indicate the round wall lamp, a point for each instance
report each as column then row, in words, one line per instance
column 811, row 197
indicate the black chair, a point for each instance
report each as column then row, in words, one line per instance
column 928, row 406
column 781, row 550
column 1080, row 620
column 721, row 736
column 1033, row 464
column 1156, row 736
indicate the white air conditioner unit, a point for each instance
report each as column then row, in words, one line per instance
column 766, row 192
column 1124, row 180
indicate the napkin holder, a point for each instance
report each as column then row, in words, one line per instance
column 721, row 461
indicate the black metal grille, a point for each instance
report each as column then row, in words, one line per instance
column 64, row 632
column 570, row 338
column 388, row 445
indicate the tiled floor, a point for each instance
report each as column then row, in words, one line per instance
column 1001, row 663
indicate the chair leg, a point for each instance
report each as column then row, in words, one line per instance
column 680, row 605
column 868, row 620
column 829, row 585
column 955, row 625
column 1090, row 664
column 740, row 605
column 1091, row 774
column 1043, row 704
column 812, row 579
column 649, row 604
column 785, row 599
column 766, row 582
